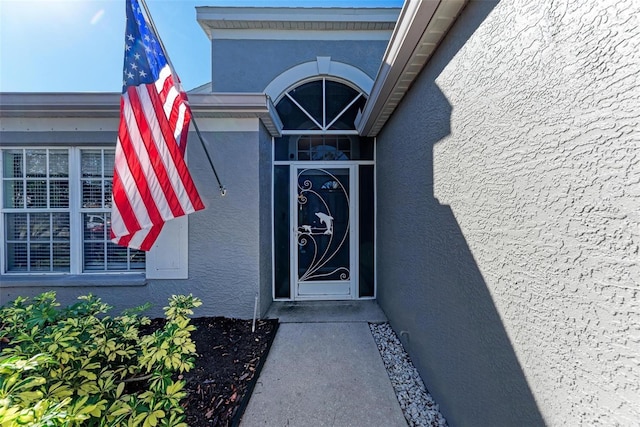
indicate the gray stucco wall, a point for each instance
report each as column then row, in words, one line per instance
column 249, row 65
column 224, row 240
column 509, row 225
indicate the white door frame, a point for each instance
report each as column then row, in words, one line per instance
column 325, row 290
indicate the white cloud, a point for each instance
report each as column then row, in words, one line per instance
column 96, row 18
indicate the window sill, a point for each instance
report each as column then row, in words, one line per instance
column 84, row 280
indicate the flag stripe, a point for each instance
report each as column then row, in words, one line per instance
column 170, row 154
column 184, row 112
column 187, row 191
column 151, row 182
column 139, row 168
column 155, row 152
column 175, row 110
column 123, row 218
column 136, row 150
column 126, row 239
column 179, row 106
column 151, row 236
column 125, row 189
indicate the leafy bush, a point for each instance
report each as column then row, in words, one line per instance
column 79, row 366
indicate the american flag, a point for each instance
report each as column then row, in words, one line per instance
column 151, row 182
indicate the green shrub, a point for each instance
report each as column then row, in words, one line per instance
column 79, row 366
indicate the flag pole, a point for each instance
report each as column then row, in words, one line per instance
column 223, row 189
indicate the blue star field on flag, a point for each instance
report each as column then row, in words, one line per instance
column 143, row 58
column 151, row 181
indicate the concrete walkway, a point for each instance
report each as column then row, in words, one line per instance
column 323, row 373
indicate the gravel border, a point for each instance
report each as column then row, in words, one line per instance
column 417, row 404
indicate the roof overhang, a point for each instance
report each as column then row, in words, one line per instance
column 52, row 104
column 421, row 27
column 230, row 22
column 65, row 105
column 237, row 105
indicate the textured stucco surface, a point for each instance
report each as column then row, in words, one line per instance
column 249, row 65
column 511, row 173
column 224, row 239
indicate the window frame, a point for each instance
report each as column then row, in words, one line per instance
column 324, row 128
column 75, row 210
column 103, row 211
column 29, row 211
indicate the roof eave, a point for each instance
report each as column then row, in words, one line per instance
column 295, row 18
column 63, row 104
column 237, row 105
column 211, row 105
column 421, row 27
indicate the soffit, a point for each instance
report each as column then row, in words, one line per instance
column 300, row 19
column 52, row 104
column 95, row 105
column 237, row 105
column 420, row 29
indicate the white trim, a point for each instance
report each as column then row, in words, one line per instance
column 256, row 17
column 75, row 211
column 354, row 230
column 318, row 290
column 318, row 132
column 273, row 226
column 324, row 65
column 304, row 110
column 343, row 110
column 60, row 111
column 420, row 28
column 375, row 220
column 334, row 290
column 298, row 35
column 3, row 255
column 76, row 229
column 295, row 20
column 59, row 104
column 320, row 163
column 309, row 70
column 48, row 124
column 354, row 183
column 293, row 244
column 169, row 256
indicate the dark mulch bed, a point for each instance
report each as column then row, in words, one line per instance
column 230, row 358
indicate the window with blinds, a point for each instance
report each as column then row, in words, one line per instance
column 56, row 212
column 36, row 210
column 99, row 254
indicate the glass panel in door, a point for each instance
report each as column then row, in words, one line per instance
column 323, row 248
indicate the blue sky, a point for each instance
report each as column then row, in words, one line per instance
column 77, row 45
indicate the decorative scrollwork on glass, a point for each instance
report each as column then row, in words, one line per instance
column 321, row 241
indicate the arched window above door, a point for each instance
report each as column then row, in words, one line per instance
column 318, row 123
column 320, row 105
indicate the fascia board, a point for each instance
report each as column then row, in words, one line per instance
column 237, row 105
column 298, row 14
column 300, row 19
column 52, row 105
column 420, row 29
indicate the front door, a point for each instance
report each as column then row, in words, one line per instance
column 322, row 241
